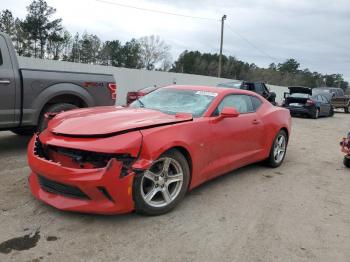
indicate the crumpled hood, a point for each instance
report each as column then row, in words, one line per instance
column 101, row 121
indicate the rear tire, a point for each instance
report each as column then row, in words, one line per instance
column 278, row 150
column 159, row 189
column 347, row 109
column 331, row 112
column 56, row 108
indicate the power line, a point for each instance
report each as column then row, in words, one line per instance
column 189, row 16
column 251, row 44
column 156, row 11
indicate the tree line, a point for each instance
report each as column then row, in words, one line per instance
column 287, row 73
column 39, row 35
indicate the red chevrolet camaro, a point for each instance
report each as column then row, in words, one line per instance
column 112, row 160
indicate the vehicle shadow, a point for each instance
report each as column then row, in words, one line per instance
column 124, row 219
column 10, row 143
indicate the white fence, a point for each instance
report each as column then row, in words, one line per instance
column 133, row 79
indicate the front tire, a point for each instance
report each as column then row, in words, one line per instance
column 159, row 189
column 347, row 109
column 331, row 112
column 278, row 149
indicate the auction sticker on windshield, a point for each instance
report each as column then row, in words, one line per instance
column 206, row 93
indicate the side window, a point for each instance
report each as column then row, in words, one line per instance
column 242, row 103
column 258, row 88
column 265, row 89
column 248, row 86
column 256, row 102
column 324, row 99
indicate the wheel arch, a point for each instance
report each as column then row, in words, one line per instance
column 62, row 93
column 287, row 132
column 186, row 153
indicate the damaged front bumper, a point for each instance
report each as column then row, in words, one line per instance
column 100, row 190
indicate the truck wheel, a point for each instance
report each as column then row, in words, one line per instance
column 347, row 109
column 331, row 112
column 56, row 108
column 24, row 131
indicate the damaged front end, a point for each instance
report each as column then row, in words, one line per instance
column 81, row 159
column 93, row 175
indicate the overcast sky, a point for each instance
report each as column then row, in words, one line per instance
column 315, row 32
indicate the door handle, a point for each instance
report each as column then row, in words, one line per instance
column 256, row 122
column 5, row 81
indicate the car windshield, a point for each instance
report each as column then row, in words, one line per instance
column 172, row 101
column 300, row 95
column 235, row 84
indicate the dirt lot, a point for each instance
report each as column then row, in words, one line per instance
column 298, row 212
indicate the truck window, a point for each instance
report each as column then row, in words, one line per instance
column 258, row 88
column 0, row 58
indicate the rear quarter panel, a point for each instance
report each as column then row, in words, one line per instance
column 274, row 119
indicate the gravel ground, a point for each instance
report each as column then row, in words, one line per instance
column 298, row 212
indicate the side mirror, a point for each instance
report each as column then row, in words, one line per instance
column 229, row 112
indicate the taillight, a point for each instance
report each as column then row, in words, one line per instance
column 113, row 89
column 309, row 102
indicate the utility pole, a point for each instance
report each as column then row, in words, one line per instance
column 222, row 40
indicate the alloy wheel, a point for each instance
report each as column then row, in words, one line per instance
column 162, row 182
column 279, row 148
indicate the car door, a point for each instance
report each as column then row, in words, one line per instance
column 238, row 140
column 326, row 105
column 7, row 87
column 323, row 106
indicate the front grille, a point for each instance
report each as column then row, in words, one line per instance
column 61, row 189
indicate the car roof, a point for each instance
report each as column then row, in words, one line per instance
column 214, row 89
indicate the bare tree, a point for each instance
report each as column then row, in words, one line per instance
column 153, row 50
